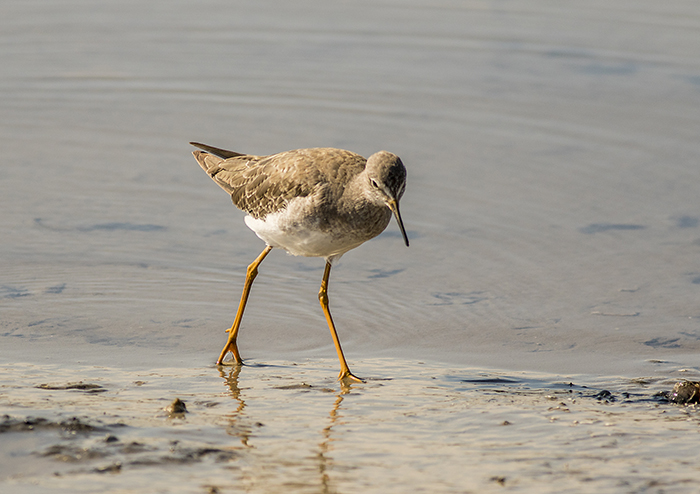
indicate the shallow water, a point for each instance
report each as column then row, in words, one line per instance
column 552, row 206
column 268, row 427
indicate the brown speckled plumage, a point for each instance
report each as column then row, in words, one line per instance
column 260, row 185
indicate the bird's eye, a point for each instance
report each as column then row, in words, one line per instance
column 374, row 184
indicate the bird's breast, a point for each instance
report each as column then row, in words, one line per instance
column 309, row 227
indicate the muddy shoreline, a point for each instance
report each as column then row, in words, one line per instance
column 497, row 429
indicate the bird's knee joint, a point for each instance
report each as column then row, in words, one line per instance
column 252, row 270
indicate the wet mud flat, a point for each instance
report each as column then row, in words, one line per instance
column 286, row 427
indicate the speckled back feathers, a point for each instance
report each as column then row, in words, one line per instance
column 260, row 185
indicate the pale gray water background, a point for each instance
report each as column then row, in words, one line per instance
column 553, row 198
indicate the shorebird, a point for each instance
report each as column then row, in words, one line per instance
column 318, row 202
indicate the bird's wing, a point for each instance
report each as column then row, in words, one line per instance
column 260, row 185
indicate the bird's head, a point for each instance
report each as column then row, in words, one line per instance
column 386, row 182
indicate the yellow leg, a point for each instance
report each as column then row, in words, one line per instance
column 251, row 273
column 345, row 373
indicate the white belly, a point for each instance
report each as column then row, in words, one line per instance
column 299, row 239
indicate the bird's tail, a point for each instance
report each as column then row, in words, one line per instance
column 221, row 153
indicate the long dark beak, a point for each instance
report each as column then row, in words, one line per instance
column 394, row 206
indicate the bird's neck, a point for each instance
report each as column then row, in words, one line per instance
column 357, row 208
column 354, row 195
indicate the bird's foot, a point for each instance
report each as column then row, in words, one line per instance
column 346, row 377
column 231, row 362
column 233, row 348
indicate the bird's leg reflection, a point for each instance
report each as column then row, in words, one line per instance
column 324, row 447
column 236, row 428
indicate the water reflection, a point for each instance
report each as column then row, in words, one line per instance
column 311, row 441
column 236, row 427
column 325, row 460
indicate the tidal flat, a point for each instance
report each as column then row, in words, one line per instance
column 272, row 426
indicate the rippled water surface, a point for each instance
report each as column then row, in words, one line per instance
column 552, row 206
